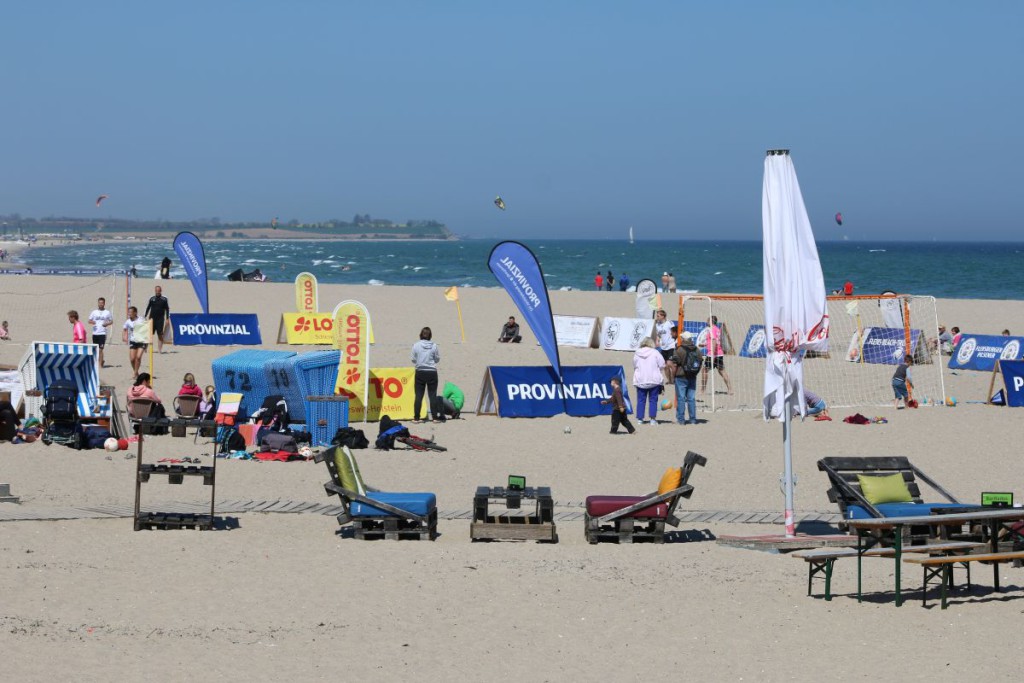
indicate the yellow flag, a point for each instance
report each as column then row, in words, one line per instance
column 351, row 326
column 452, row 294
column 306, row 293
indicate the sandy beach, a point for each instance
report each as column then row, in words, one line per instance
column 274, row 595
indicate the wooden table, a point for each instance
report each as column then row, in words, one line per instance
column 494, row 525
column 992, row 517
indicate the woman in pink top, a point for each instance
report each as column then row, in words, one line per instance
column 143, row 388
column 714, row 356
column 77, row 328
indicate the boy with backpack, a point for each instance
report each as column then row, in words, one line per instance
column 687, row 361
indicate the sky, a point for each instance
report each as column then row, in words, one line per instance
column 586, row 117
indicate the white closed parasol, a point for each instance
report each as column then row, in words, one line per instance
column 795, row 308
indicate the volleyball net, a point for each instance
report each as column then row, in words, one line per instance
column 868, row 337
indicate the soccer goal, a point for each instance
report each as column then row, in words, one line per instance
column 868, row 337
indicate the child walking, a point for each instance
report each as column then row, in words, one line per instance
column 618, row 408
column 901, row 382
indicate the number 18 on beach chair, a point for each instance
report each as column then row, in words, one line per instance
column 641, row 518
column 377, row 514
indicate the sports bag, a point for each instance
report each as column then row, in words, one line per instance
column 353, row 438
column 276, row 441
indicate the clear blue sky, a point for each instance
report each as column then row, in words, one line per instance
column 587, row 117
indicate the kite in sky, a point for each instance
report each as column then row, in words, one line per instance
column 839, row 218
column 499, row 202
column 99, row 200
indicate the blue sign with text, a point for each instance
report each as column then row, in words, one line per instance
column 216, row 329
column 981, row 351
column 1013, row 376
column 887, row 345
column 536, row 392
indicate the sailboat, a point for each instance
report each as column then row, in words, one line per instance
column 631, row 234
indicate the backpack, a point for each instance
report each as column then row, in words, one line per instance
column 691, row 362
column 276, row 441
column 230, row 439
column 273, row 413
column 61, row 401
column 353, row 438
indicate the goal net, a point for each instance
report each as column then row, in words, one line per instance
column 868, row 337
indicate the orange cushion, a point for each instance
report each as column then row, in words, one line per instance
column 672, row 478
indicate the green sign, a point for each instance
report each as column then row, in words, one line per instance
column 1000, row 500
column 516, row 482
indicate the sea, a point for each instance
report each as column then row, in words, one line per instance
column 941, row 269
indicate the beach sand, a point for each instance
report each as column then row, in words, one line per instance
column 278, row 595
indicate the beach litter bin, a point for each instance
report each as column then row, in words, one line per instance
column 324, row 416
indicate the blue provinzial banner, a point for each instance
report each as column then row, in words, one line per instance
column 516, row 268
column 515, row 391
column 981, row 351
column 190, row 251
column 1013, row 377
column 216, row 329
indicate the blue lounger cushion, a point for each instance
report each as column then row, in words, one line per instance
column 416, row 503
column 901, row 509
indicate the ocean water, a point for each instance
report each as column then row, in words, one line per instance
column 941, row 269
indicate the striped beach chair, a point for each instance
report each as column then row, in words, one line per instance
column 45, row 362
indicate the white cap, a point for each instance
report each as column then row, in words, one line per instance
column 687, row 335
column 665, row 273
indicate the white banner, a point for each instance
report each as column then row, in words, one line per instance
column 575, row 330
column 624, row 334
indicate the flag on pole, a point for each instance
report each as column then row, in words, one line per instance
column 452, row 294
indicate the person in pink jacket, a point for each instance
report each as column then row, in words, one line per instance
column 143, row 388
column 648, row 375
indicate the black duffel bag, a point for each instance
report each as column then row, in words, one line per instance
column 353, row 438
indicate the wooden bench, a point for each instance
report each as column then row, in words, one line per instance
column 942, row 566
column 821, row 560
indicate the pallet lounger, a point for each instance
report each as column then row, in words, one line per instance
column 627, row 519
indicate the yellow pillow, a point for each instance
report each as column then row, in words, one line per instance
column 888, row 489
column 670, row 480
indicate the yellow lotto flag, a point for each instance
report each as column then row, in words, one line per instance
column 306, row 293
column 352, row 339
column 452, row 294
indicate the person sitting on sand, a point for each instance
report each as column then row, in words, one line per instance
column 5, row 333
column 815, row 406
column 956, row 335
column 510, row 332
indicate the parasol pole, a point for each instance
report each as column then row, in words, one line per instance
column 787, row 449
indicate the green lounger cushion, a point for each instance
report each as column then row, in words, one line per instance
column 888, row 489
column 348, row 470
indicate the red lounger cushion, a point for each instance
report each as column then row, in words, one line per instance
column 598, row 506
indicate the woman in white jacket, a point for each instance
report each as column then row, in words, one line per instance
column 425, row 357
column 648, row 374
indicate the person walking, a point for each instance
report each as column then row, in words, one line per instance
column 159, row 311
column 648, row 375
column 686, row 364
column 77, row 328
column 133, row 334
column 101, row 319
column 714, row 356
column 425, row 357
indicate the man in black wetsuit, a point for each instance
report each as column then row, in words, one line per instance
column 158, row 310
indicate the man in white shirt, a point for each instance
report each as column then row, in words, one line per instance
column 100, row 319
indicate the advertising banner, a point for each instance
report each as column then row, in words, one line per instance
column 887, row 346
column 646, row 298
column 981, row 351
column 190, row 251
column 536, row 392
column 352, row 339
column 518, row 271
column 576, row 330
column 306, row 328
column 753, row 344
column 391, row 393
column 306, row 293
column 625, row 334
column 214, row 329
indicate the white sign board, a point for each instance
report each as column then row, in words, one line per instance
column 624, row 334
column 575, row 330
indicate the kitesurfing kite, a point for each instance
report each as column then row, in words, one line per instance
column 499, row 202
column 99, row 200
column 839, row 218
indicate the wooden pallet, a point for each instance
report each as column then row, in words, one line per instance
column 394, row 529
column 513, row 528
column 171, row 520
